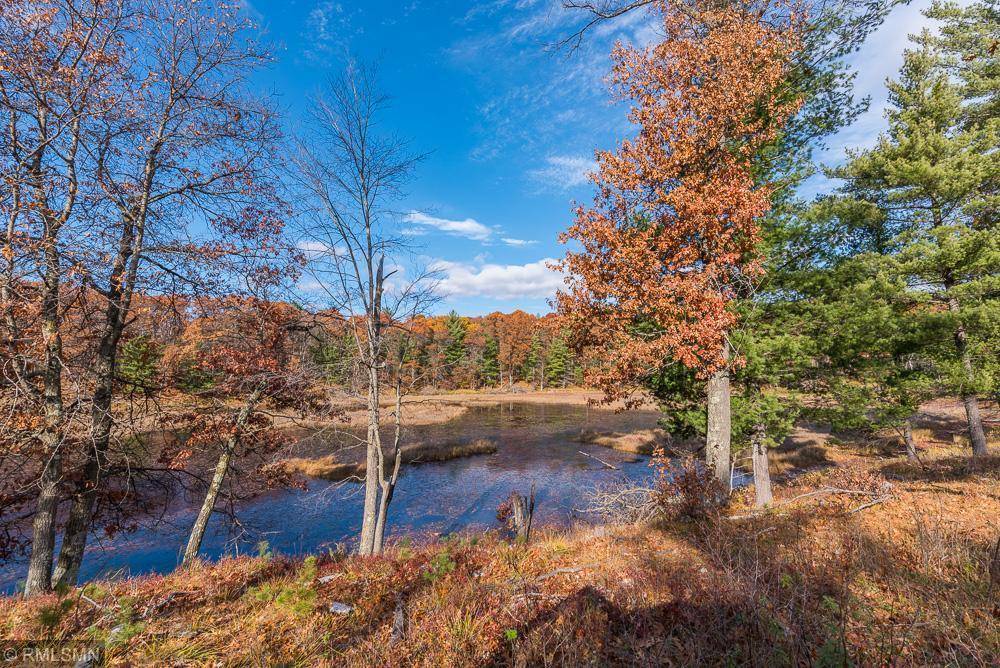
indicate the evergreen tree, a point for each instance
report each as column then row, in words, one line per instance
column 334, row 355
column 139, row 363
column 558, row 365
column 533, row 361
column 454, row 351
column 916, row 200
column 489, row 363
column 969, row 44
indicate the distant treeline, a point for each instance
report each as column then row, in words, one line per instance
column 167, row 349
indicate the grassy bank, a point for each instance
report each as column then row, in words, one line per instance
column 640, row 442
column 331, row 468
column 903, row 569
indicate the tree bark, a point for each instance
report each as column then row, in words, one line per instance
column 388, row 485
column 221, row 469
column 524, row 511
column 718, row 437
column 119, row 297
column 369, row 519
column 84, row 499
column 761, row 471
column 977, row 435
column 911, row 445
column 39, row 576
column 43, row 533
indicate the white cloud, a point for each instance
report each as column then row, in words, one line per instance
column 563, row 172
column 511, row 281
column 468, row 228
column 315, row 249
column 329, row 31
column 518, row 243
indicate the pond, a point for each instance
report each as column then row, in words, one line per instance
column 536, row 444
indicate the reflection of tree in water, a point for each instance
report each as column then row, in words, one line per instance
column 536, row 444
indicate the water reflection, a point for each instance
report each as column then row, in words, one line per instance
column 536, row 445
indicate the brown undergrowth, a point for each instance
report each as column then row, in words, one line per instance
column 910, row 580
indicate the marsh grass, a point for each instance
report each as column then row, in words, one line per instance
column 330, row 468
column 640, row 442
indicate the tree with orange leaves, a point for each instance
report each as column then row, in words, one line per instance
column 671, row 239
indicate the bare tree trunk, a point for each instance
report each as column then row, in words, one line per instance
column 718, row 437
column 221, row 468
column 911, row 445
column 388, row 485
column 761, row 472
column 39, row 576
column 84, row 500
column 208, row 505
column 119, row 298
column 77, row 526
column 369, row 519
column 43, row 533
column 977, row 435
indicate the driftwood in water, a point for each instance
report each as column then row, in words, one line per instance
column 523, row 511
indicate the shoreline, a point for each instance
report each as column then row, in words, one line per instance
column 423, row 412
column 884, row 533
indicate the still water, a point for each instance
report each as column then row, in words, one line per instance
column 536, row 444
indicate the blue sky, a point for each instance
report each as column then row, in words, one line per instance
column 510, row 123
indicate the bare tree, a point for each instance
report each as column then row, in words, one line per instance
column 56, row 59
column 352, row 171
column 190, row 144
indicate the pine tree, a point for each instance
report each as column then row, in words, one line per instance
column 139, row 363
column 489, row 363
column 533, row 361
column 969, row 44
column 914, row 204
column 454, row 352
column 558, row 363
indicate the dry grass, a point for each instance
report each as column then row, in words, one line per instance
column 330, row 468
column 642, row 442
column 905, row 582
column 347, row 412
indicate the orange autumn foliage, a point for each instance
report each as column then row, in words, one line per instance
column 672, row 234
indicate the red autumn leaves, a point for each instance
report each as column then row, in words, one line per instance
column 671, row 238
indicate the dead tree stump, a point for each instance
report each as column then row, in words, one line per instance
column 523, row 511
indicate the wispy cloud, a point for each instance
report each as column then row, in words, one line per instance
column 495, row 281
column 468, row 228
column 328, row 32
column 563, row 172
column 250, row 10
column 313, row 249
column 544, row 96
column 518, row 243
